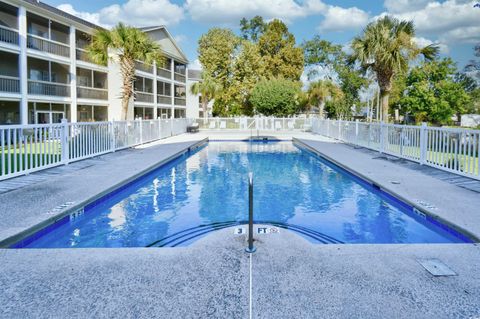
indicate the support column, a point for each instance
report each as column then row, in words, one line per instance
column 155, row 98
column 73, row 75
column 172, row 68
column 22, row 64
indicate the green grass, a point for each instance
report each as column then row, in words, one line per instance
column 29, row 156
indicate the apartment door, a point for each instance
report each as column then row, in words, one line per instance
column 48, row 117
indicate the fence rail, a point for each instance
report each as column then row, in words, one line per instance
column 449, row 149
column 29, row 148
column 49, row 46
column 8, row 35
column 256, row 123
column 9, row 84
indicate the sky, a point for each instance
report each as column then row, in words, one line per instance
column 454, row 25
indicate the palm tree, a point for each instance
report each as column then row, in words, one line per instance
column 130, row 44
column 321, row 91
column 386, row 47
column 208, row 88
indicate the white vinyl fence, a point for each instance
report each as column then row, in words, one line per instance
column 29, row 148
column 255, row 123
column 450, row 149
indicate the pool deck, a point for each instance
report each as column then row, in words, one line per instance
column 287, row 276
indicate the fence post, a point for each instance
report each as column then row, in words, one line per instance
column 339, row 122
column 382, row 137
column 141, row 130
column 64, row 142
column 111, row 130
column 356, row 132
column 328, row 127
column 423, row 143
column 159, row 128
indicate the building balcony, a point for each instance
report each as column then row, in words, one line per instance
column 164, row 99
column 48, row 88
column 49, row 46
column 144, row 97
column 92, row 93
column 180, row 101
column 9, row 84
column 8, row 35
column 180, row 77
column 164, row 73
column 140, row 66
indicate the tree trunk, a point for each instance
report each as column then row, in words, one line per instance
column 127, row 69
column 384, row 96
column 321, row 109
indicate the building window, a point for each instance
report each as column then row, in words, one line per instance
column 9, row 112
column 164, row 88
column 180, row 68
column 180, row 91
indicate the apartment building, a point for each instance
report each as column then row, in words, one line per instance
column 46, row 75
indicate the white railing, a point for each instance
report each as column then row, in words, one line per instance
column 180, row 77
column 451, row 149
column 50, row 46
column 144, row 97
column 164, row 73
column 256, row 123
column 180, row 101
column 164, row 99
column 29, row 148
column 140, row 66
column 84, row 92
column 8, row 35
column 48, row 88
column 9, row 84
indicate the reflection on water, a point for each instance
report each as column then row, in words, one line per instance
column 290, row 186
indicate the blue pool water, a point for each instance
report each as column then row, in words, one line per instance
column 207, row 189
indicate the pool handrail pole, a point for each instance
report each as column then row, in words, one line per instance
column 250, row 248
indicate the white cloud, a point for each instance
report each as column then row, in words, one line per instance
column 231, row 11
column 195, row 65
column 398, row 6
column 340, row 19
column 133, row 12
column 451, row 21
column 180, row 38
column 423, row 42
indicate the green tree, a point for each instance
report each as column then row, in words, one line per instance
column 253, row 28
column 280, row 56
column 432, row 94
column 386, row 47
column 277, row 97
column 320, row 92
column 208, row 89
column 336, row 65
column 130, row 44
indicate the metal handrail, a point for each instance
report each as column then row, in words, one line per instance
column 250, row 249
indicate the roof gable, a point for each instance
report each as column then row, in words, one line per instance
column 168, row 44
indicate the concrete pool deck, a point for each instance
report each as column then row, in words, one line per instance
column 287, row 276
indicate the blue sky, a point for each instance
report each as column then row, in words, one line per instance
column 452, row 24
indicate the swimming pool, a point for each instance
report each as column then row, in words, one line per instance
column 206, row 189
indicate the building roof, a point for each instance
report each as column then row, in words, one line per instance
column 62, row 13
column 164, row 28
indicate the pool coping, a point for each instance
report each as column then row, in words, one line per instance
column 8, row 242
column 390, row 192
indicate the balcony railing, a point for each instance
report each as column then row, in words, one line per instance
column 92, row 93
column 164, row 99
column 180, row 101
column 53, row 47
column 9, row 84
column 164, row 73
column 180, row 77
column 144, row 97
column 48, row 88
column 143, row 67
column 8, row 35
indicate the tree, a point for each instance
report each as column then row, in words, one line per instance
column 321, row 91
column 386, row 47
column 253, row 28
column 208, row 89
column 328, row 60
column 432, row 94
column 277, row 97
column 280, row 56
column 131, row 44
